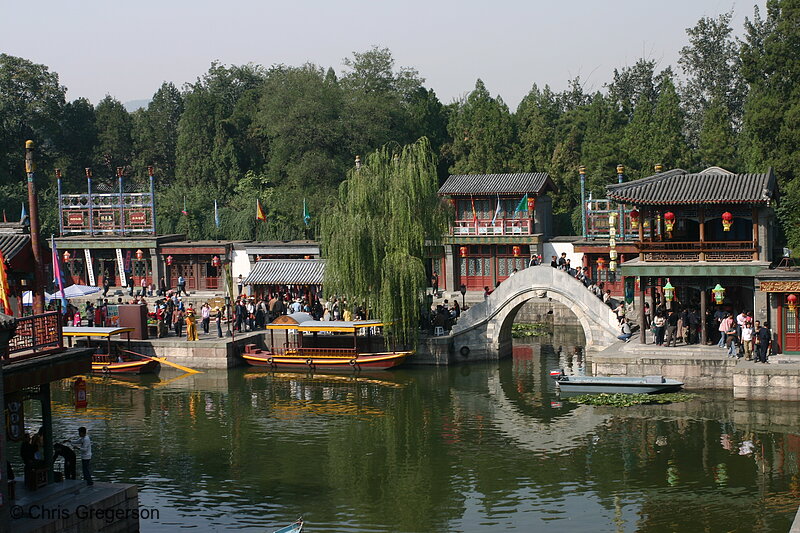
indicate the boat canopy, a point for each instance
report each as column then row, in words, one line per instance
column 85, row 331
column 305, row 322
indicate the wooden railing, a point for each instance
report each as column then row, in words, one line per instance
column 316, row 352
column 485, row 228
column 35, row 335
column 698, row 251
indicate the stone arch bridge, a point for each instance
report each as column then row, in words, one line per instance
column 485, row 328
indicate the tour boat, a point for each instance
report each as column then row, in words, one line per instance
column 324, row 345
column 114, row 359
column 611, row 385
column 297, row 527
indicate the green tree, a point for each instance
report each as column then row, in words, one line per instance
column 114, row 142
column 536, row 119
column 374, row 237
column 77, row 143
column 711, row 65
column 155, row 133
column 600, row 147
column 482, row 132
column 717, row 143
column 668, row 140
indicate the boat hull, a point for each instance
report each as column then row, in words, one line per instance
column 145, row 366
column 617, row 385
column 380, row 361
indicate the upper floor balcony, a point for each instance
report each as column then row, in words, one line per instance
column 693, row 251
column 34, row 336
column 488, row 228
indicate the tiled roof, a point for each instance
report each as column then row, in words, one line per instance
column 12, row 243
column 287, row 272
column 530, row 182
column 712, row 186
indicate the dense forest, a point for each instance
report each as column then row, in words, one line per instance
column 285, row 133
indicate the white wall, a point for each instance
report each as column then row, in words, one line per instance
column 557, row 248
column 240, row 264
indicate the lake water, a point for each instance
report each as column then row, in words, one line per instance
column 477, row 448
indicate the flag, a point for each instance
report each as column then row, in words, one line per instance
column 306, row 215
column 523, row 204
column 216, row 215
column 58, row 275
column 5, row 302
column 23, row 217
column 184, row 212
column 474, row 214
column 260, row 212
column 496, row 211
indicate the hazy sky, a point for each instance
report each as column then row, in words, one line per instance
column 127, row 49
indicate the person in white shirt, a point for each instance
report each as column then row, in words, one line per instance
column 747, row 340
column 83, row 445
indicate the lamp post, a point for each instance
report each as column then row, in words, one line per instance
column 463, row 296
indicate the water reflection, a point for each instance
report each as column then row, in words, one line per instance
column 468, row 448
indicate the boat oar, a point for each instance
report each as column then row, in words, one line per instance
column 186, row 369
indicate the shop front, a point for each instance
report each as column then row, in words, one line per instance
column 200, row 263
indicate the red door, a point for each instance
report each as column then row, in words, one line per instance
column 791, row 329
column 476, row 272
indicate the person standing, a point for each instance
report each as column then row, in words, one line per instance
column 205, row 314
column 747, row 340
column 763, row 340
column 191, row 324
column 435, row 284
column 143, row 283
column 177, row 321
column 240, row 284
column 672, row 328
column 219, row 321
column 658, row 329
column 106, row 284
column 181, row 285
column 89, row 314
column 84, row 447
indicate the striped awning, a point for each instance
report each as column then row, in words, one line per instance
column 287, row 272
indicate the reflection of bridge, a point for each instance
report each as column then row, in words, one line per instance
column 486, row 327
column 562, row 434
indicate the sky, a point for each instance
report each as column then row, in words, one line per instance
column 127, row 49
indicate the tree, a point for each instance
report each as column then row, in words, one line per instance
column 155, row 133
column 536, row 119
column 375, row 235
column 482, row 132
column 77, row 142
column 668, row 141
column 717, row 143
column 114, row 128
column 631, row 85
column 600, row 147
column 712, row 67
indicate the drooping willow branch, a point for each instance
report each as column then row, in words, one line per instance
column 374, row 238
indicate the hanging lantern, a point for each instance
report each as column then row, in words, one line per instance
column 791, row 300
column 612, row 266
column 669, row 292
column 612, row 254
column 601, row 263
column 669, row 220
column 531, row 203
column 727, row 221
column 66, row 256
column 517, row 251
column 634, row 218
column 719, row 294
column 463, row 251
column 139, row 255
column 612, row 219
column 215, row 262
column 169, row 260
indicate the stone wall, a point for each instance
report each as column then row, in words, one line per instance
column 548, row 312
column 198, row 354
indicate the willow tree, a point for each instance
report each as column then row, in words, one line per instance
column 375, row 235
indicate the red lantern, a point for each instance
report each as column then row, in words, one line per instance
column 531, row 203
column 727, row 221
column 80, row 393
column 634, row 219
column 669, row 220
column 139, row 255
column 791, row 300
column 215, row 262
column 517, row 251
column 601, row 263
column 66, row 256
column 169, row 260
column 463, row 250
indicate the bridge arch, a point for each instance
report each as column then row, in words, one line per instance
column 486, row 326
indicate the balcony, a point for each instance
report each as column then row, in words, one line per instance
column 485, row 228
column 35, row 336
column 698, row 251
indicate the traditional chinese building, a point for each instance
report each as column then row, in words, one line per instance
column 500, row 221
column 703, row 236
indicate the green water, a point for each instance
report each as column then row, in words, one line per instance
column 474, row 448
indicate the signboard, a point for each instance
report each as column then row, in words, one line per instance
column 75, row 219
column 121, row 267
column 138, row 217
column 106, row 219
column 780, row 286
column 15, row 420
column 90, row 267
